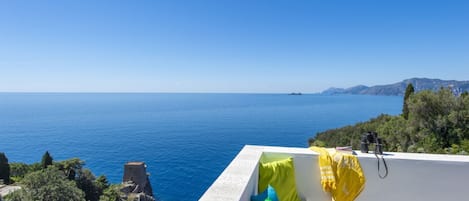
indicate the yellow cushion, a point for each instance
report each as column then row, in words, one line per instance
column 281, row 176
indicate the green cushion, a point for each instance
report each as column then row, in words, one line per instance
column 281, row 176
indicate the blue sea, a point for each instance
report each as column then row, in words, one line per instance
column 186, row 140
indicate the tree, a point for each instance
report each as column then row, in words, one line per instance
column 34, row 167
column 395, row 134
column 349, row 135
column 86, row 183
column 430, row 119
column 70, row 167
column 464, row 94
column 4, row 168
column 437, row 122
column 46, row 160
column 48, row 184
column 102, row 184
column 408, row 92
column 112, row 193
column 17, row 171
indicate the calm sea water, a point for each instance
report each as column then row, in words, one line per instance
column 185, row 139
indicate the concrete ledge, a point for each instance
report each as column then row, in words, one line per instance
column 411, row 176
column 7, row 189
column 236, row 179
column 239, row 180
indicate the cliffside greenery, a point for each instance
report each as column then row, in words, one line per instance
column 434, row 122
column 48, row 184
column 46, row 160
column 61, row 180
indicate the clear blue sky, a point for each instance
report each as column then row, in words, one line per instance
column 228, row 46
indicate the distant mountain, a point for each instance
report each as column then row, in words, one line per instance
column 398, row 89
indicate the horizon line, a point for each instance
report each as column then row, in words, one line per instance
column 148, row 92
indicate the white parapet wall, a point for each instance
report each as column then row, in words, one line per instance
column 411, row 176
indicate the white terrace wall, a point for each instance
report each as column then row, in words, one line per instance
column 411, row 176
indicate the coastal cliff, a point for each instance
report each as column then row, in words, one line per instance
column 398, row 89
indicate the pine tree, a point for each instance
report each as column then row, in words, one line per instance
column 408, row 91
column 4, row 168
column 46, row 160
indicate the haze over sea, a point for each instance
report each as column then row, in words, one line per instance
column 185, row 139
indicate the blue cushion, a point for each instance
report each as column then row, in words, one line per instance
column 272, row 196
column 260, row 197
column 268, row 195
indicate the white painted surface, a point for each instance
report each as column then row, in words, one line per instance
column 411, row 176
column 238, row 180
column 5, row 190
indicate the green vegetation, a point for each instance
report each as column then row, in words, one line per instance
column 62, row 180
column 405, row 108
column 112, row 193
column 434, row 122
column 4, row 168
column 47, row 184
column 46, row 160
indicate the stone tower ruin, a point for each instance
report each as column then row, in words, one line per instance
column 135, row 173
